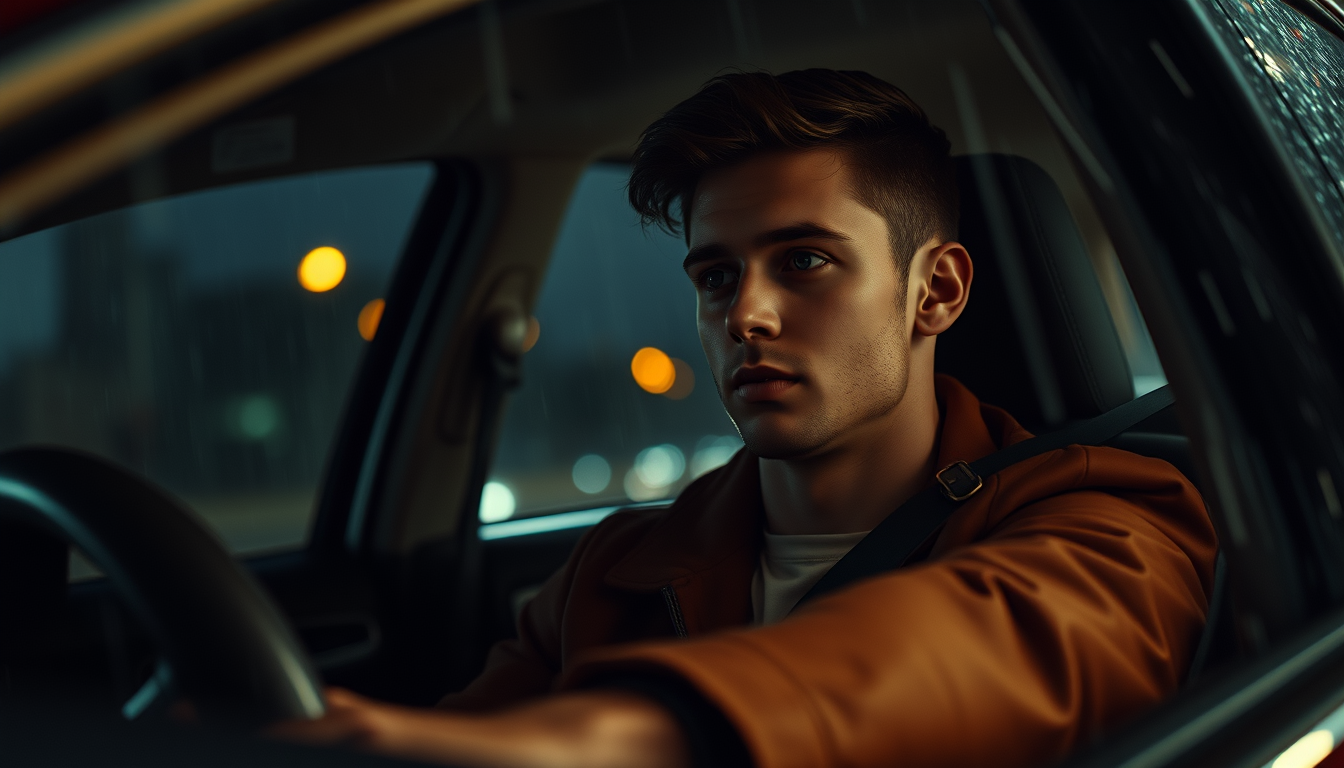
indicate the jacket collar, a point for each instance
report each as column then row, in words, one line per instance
column 971, row 429
column 719, row 517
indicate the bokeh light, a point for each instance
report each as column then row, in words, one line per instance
column 636, row 489
column 369, row 318
column 591, row 474
column 712, row 452
column 322, row 269
column 660, row 466
column 653, row 370
column 533, row 333
column 255, row 417
column 1308, row 751
column 655, row 470
column 683, row 380
column 497, row 502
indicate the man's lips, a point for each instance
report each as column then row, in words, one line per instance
column 761, row 382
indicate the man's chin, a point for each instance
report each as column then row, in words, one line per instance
column 778, row 441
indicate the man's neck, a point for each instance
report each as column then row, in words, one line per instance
column 853, row 486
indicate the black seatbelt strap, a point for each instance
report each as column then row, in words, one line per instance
column 889, row 545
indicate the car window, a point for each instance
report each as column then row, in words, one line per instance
column 1297, row 71
column 206, row 341
column 617, row 403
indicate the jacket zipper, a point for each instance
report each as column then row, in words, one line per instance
column 674, row 610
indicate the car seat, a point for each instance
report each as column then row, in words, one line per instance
column 1036, row 337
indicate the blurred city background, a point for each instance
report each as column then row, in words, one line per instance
column 208, row 342
column 617, row 402
column 178, row 339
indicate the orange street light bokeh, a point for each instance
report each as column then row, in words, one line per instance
column 653, row 370
column 533, row 333
column 322, row 269
column 369, row 317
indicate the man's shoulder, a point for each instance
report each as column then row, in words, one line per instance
column 1130, row 478
column 1095, row 496
column 619, row 533
column 1102, row 466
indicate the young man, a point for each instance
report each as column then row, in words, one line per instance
column 820, row 211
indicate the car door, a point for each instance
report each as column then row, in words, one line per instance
column 1211, row 154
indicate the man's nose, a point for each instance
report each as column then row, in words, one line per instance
column 754, row 313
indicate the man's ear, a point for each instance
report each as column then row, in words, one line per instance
column 945, row 274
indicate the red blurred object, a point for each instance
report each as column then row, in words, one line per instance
column 1333, row 760
column 16, row 13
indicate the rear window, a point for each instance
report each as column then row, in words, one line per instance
column 206, row 341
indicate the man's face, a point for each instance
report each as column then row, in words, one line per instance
column 800, row 310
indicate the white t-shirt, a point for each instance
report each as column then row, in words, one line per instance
column 790, row 566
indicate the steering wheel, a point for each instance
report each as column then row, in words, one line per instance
column 223, row 643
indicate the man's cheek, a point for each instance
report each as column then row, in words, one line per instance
column 711, row 340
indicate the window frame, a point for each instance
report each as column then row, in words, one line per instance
column 1123, row 112
column 355, row 466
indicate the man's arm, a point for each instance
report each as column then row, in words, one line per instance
column 593, row 729
column 1079, row 612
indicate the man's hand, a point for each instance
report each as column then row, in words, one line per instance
column 594, row 729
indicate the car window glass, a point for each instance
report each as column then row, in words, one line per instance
column 1297, row 71
column 617, row 403
column 206, row 341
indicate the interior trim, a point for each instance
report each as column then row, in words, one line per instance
column 46, row 180
column 530, row 526
column 107, row 44
column 1306, row 748
column 1241, row 702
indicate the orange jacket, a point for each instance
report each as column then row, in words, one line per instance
column 1062, row 599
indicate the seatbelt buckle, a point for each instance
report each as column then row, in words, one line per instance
column 958, row 481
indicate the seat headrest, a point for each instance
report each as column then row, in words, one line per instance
column 1036, row 337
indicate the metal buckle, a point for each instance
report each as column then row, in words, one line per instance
column 958, row 481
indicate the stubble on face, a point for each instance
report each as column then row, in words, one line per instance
column 869, row 385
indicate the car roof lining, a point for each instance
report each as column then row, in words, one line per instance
column 583, row 79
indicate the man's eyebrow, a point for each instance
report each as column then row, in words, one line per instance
column 706, row 252
column 802, row 231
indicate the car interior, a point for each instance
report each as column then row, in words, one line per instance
column 372, row 523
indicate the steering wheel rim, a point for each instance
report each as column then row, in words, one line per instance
column 229, row 648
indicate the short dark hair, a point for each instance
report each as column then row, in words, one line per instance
column 900, row 163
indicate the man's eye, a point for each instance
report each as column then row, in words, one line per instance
column 715, row 279
column 805, row 260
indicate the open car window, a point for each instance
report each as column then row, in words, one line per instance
column 206, row 341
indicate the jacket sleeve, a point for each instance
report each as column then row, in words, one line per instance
column 1075, row 613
